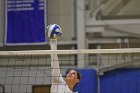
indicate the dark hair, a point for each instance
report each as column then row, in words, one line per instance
column 78, row 77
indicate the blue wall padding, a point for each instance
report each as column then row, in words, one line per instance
column 121, row 81
column 88, row 82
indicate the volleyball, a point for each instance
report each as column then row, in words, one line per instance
column 54, row 31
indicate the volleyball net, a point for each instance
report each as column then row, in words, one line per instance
column 117, row 70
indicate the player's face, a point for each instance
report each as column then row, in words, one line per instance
column 71, row 77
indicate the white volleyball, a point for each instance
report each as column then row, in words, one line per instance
column 54, row 31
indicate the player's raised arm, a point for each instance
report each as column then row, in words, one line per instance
column 53, row 33
column 56, row 74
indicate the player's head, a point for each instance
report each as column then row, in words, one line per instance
column 73, row 77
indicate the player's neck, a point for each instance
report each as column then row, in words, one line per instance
column 71, row 86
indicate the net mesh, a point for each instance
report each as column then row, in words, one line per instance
column 21, row 70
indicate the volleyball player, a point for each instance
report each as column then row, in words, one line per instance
column 59, row 84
